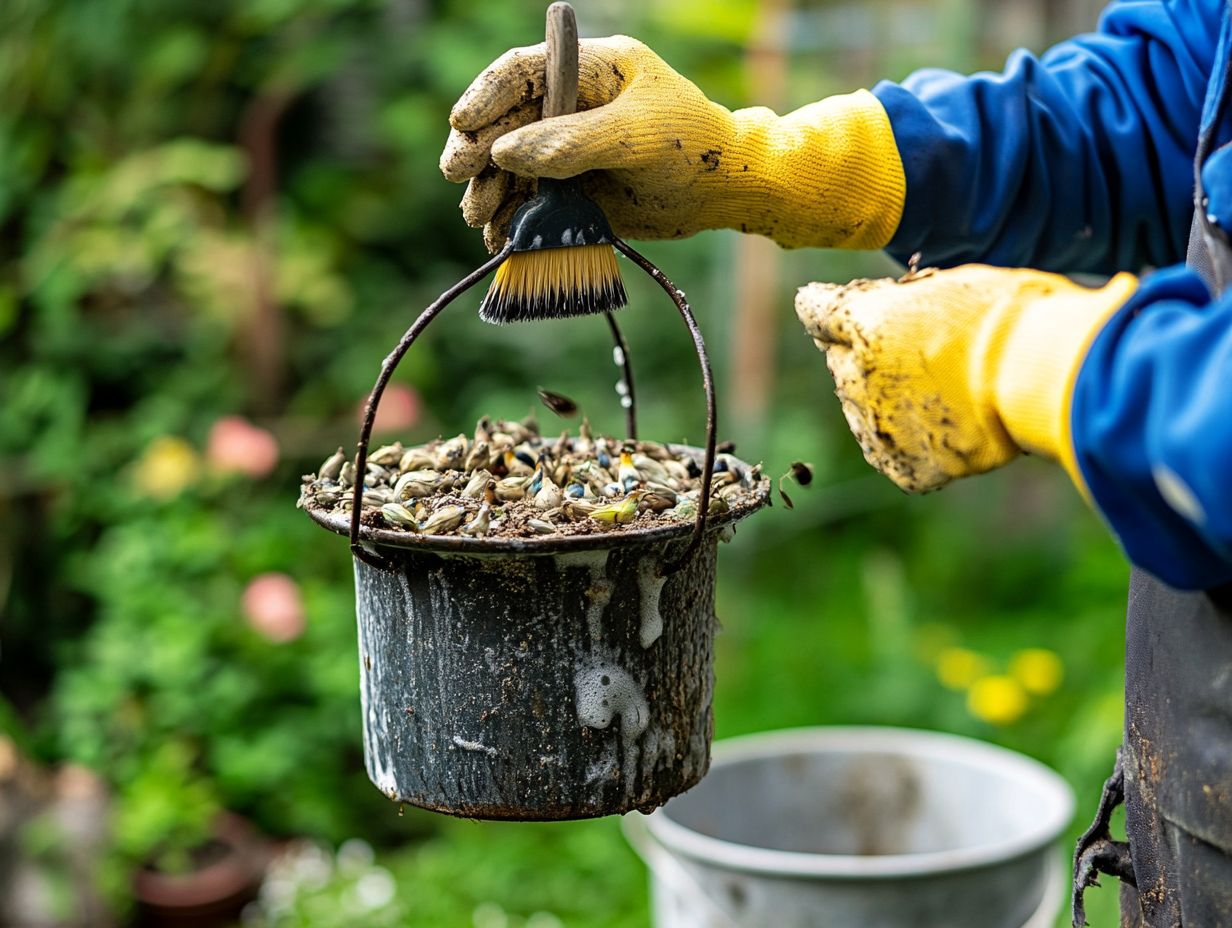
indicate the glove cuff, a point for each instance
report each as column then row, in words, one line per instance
column 1040, row 358
column 827, row 175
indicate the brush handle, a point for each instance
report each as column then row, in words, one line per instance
column 560, row 90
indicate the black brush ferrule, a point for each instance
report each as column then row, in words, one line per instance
column 560, row 215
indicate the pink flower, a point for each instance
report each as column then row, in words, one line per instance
column 399, row 409
column 236, row 445
column 274, row 608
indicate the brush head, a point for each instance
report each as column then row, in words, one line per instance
column 554, row 283
column 562, row 264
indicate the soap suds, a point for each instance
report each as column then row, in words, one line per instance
column 473, row 746
column 599, row 593
column 605, row 692
column 650, row 586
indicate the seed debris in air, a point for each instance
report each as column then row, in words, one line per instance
column 802, row 473
column 507, row 480
column 558, row 403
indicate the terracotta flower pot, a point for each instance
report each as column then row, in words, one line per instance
column 231, row 868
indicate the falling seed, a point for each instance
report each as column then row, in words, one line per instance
column 558, row 403
column 802, row 473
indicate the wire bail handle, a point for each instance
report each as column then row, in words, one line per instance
column 560, row 98
column 621, row 350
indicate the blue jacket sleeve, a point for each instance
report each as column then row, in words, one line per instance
column 1152, row 429
column 1079, row 160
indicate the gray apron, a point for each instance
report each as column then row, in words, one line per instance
column 1174, row 770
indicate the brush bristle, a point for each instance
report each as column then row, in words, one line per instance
column 554, row 283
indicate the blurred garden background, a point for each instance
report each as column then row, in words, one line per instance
column 215, row 220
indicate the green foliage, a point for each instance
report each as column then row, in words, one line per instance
column 489, row 876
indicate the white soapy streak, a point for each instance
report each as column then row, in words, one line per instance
column 605, row 691
column 473, row 746
column 650, row 587
column 599, row 593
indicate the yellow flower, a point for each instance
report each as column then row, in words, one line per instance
column 1038, row 670
column 997, row 699
column 168, row 465
column 958, row 668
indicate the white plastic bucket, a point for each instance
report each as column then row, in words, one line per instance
column 859, row 828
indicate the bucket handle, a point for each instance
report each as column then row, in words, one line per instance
column 371, row 557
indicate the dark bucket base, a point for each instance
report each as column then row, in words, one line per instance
column 537, row 687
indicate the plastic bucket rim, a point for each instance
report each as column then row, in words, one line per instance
column 730, row 855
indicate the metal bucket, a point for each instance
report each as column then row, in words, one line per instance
column 859, row 828
column 533, row 679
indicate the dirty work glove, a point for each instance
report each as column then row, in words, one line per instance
column 946, row 374
column 667, row 162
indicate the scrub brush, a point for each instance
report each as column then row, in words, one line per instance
column 563, row 263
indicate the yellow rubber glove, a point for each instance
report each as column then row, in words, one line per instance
column 668, row 162
column 946, row 374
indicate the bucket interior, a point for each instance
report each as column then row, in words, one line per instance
column 871, row 802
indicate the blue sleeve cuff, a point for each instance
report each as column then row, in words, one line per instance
column 1077, row 160
column 1152, row 429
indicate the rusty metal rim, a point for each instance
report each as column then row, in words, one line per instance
column 490, row 812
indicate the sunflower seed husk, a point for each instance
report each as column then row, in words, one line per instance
column 386, row 455
column 416, row 459
column 509, row 481
column 399, row 515
column 512, row 488
column 416, row 484
column 451, row 454
column 479, row 526
column 549, row 495
column 658, row 498
column 378, row 496
column 477, row 458
column 475, row 487
column 332, row 466
column 443, row 521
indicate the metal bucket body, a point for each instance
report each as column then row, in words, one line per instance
column 868, row 827
column 537, row 687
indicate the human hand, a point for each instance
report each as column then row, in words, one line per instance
column 663, row 161
column 945, row 374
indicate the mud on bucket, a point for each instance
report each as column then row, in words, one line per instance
column 555, row 676
column 513, row 679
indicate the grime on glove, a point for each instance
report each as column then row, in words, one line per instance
column 950, row 373
column 665, row 162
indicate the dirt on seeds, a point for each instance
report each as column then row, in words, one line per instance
column 508, row 481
